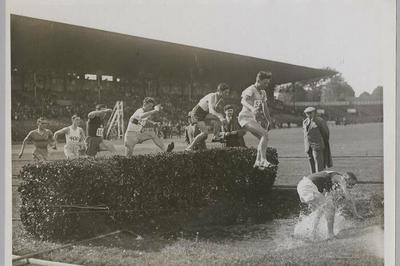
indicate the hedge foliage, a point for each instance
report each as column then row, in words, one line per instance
column 164, row 191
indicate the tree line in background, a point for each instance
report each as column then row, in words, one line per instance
column 330, row 89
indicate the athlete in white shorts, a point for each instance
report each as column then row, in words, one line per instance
column 141, row 128
column 74, row 138
column 316, row 191
column 254, row 112
column 206, row 106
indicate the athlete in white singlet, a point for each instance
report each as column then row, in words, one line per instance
column 141, row 128
column 74, row 138
column 254, row 112
column 206, row 106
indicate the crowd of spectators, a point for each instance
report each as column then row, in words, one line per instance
column 28, row 102
column 58, row 97
column 72, row 96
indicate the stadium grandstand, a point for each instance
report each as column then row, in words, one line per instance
column 68, row 69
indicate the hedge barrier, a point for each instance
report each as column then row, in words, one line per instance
column 154, row 192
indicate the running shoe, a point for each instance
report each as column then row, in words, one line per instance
column 170, row 147
column 266, row 164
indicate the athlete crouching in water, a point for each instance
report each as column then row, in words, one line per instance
column 74, row 138
column 316, row 191
column 254, row 101
column 141, row 128
column 207, row 105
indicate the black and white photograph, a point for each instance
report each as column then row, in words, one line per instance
column 201, row 132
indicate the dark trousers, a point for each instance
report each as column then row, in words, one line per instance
column 316, row 158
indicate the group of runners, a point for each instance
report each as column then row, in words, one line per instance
column 254, row 117
column 141, row 127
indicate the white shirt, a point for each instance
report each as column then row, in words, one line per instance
column 205, row 101
column 73, row 136
column 256, row 97
column 140, row 122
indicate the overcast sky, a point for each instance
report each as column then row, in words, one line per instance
column 354, row 37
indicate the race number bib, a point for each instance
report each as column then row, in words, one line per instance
column 74, row 138
column 99, row 132
column 258, row 104
column 147, row 130
column 143, row 123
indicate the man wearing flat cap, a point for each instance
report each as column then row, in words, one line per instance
column 316, row 141
column 231, row 131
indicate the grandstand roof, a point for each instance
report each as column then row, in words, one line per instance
column 42, row 45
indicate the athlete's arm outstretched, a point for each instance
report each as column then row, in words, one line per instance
column 157, row 108
column 52, row 139
column 98, row 112
column 64, row 130
column 24, row 143
column 343, row 186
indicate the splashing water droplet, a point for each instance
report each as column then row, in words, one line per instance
column 304, row 228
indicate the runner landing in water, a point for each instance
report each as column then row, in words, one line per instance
column 316, row 190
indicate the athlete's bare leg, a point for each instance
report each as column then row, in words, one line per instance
column 200, row 137
column 262, row 134
column 129, row 148
column 159, row 143
column 106, row 145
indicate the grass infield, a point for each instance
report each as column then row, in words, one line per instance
column 248, row 243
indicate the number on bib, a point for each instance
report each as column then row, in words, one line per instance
column 99, row 132
column 74, row 138
column 258, row 103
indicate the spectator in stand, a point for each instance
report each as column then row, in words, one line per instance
column 344, row 121
column 179, row 129
column 231, row 131
column 191, row 131
column 316, row 141
column 164, row 129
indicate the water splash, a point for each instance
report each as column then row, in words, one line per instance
column 304, row 228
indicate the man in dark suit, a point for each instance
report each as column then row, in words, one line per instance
column 316, row 141
column 231, row 131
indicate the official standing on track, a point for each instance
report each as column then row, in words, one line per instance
column 316, row 141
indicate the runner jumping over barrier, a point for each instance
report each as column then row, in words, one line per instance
column 254, row 113
column 141, row 128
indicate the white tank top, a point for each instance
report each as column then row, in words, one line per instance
column 256, row 97
column 204, row 102
column 73, row 136
column 136, row 123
